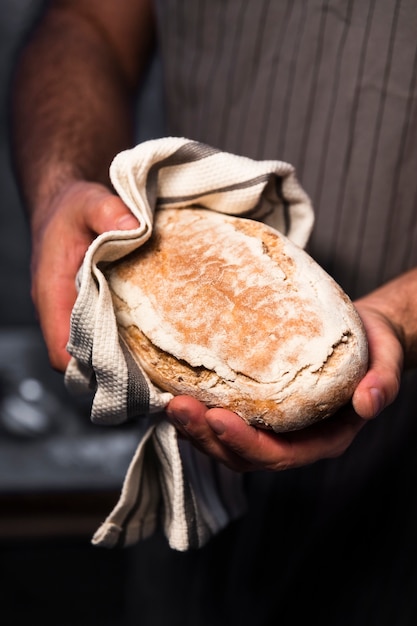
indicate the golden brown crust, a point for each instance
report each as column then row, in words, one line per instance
column 178, row 377
column 229, row 311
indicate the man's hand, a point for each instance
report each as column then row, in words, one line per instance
column 225, row 436
column 81, row 212
column 381, row 383
column 74, row 85
column 62, row 235
column 229, row 439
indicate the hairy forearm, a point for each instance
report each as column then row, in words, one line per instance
column 72, row 105
column 397, row 302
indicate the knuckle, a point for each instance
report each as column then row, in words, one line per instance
column 340, row 446
column 284, row 462
column 280, row 466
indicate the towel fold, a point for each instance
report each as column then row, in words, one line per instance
column 169, row 483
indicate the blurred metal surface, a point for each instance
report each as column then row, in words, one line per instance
column 47, row 440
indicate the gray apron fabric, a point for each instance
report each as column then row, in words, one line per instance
column 329, row 86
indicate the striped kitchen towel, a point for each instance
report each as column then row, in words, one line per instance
column 168, row 483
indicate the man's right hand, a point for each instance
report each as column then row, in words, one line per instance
column 80, row 213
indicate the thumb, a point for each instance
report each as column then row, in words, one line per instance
column 381, row 383
column 103, row 211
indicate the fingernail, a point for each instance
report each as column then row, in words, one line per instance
column 127, row 222
column 216, row 425
column 377, row 400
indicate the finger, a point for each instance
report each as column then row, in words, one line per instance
column 241, row 447
column 104, row 211
column 188, row 415
column 85, row 211
column 54, row 317
column 381, row 384
column 265, row 449
column 54, row 294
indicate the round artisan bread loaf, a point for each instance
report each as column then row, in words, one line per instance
column 228, row 310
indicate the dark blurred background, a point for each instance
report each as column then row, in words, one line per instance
column 59, row 475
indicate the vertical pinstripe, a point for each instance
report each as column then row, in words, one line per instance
column 330, row 86
column 245, row 113
column 330, row 114
column 237, row 42
column 341, row 200
column 412, row 224
column 292, row 76
column 323, row 85
column 312, row 96
column 267, row 110
column 375, row 144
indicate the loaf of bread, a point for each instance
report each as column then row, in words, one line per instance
column 228, row 310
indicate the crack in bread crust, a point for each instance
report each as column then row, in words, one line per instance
column 228, row 310
column 178, row 377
